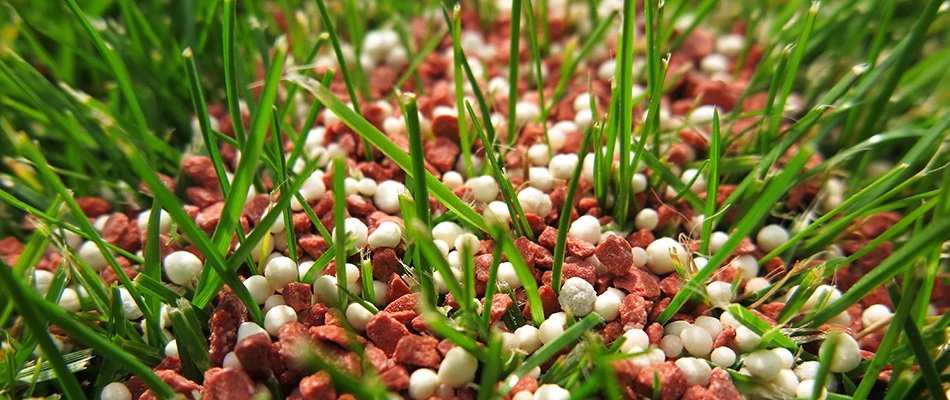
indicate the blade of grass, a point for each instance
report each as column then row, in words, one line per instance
column 592, row 41
column 623, row 129
column 204, row 122
column 465, row 142
column 513, row 61
column 339, row 215
column 230, row 70
column 564, row 217
column 712, row 184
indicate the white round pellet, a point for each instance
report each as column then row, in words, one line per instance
column 325, row 287
column 496, row 213
column 639, row 183
column 280, row 272
column 587, row 171
column 457, row 368
column 605, row 72
column 770, row 237
column 583, row 118
column 379, row 289
column 823, row 295
column 366, row 187
column 351, row 186
column 540, row 178
column 358, row 316
column 171, row 349
column 551, row 391
column 671, row 345
column 730, row 45
column 847, row 352
column 423, row 383
column 723, row 357
column 526, row 112
column 355, row 229
column 551, row 328
column 716, row 241
column 661, row 253
column 635, row 338
column 447, row 231
column 585, row 228
column 387, row 234
column 696, row 371
column 788, row 359
column 720, row 293
column 539, row 155
column 89, row 253
column 710, row 324
column 807, row 370
column 747, row 265
column 164, row 221
column 746, row 339
column 259, row 288
column 806, row 389
column 640, row 257
column 582, row 101
column 508, row 276
column 873, row 314
column 278, row 317
column 484, row 188
column 41, row 281
column 647, row 218
column 303, row 269
column 528, row 340
column 132, row 311
column 523, row 395
column 756, row 284
column 577, row 297
column 231, row 361
column 116, row 391
column 387, row 196
column 272, row 301
column 312, row 189
column 562, row 166
column 469, row 241
column 763, row 364
column 702, row 115
column 452, row 180
column 696, row 341
column 69, row 300
column 786, row 383
column 714, row 64
column 607, row 305
column 535, row 201
column 248, row 329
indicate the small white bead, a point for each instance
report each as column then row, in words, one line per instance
column 116, row 391
column 231, row 361
column 746, row 339
column 358, row 316
column 538, row 154
column 586, row 228
column 720, row 293
column 526, row 112
column 639, row 183
column 312, row 189
column 273, row 301
column 89, row 253
column 508, row 276
column 557, row 136
column 763, row 364
column 540, row 178
column 496, row 213
column 770, row 237
column 671, row 345
column 747, row 265
column 583, row 118
column 259, row 288
column 523, row 395
column 534, row 201
column 551, row 391
column 714, row 64
column 452, row 180
column 387, row 234
column 786, row 382
column 696, row 341
column 635, row 338
column 551, row 328
column 248, row 329
column 423, row 383
column 730, row 45
column 469, row 241
column 278, row 317
column 280, row 272
column 716, row 241
column 807, row 370
column 640, row 257
column 696, row 371
column 647, row 218
column 607, row 305
column 387, row 196
column 528, row 340
column 806, row 389
column 582, row 101
column 702, row 115
column 171, row 349
column 562, row 166
column 788, row 359
column 710, row 324
column 605, row 71
column 325, row 287
column 164, row 221
column 847, row 352
column 823, row 295
column 458, row 367
column 577, row 297
column 723, row 357
column 355, row 229
column 756, row 284
column 484, row 188
column 661, row 253
column 351, row 186
column 131, row 309
column 875, row 313
column 41, row 281
column 303, row 269
column 69, row 300
column 447, row 232
column 366, row 187
column 379, row 289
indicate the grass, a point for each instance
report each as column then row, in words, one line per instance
column 95, row 104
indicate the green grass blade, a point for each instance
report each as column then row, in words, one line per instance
column 564, row 217
column 513, row 61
